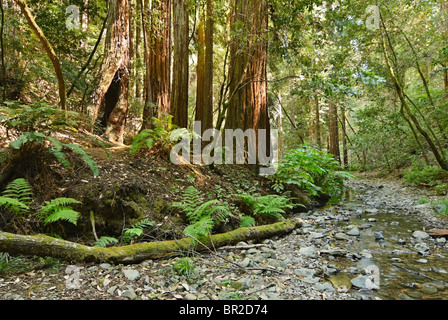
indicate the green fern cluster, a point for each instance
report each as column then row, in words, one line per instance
column 59, row 209
column 269, row 206
column 56, row 149
column 129, row 234
column 202, row 216
column 17, row 197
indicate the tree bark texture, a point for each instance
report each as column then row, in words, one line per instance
column 248, row 101
column 110, row 98
column 179, row 87
column 334, row 132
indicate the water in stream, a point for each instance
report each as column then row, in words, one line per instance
column 405, row 267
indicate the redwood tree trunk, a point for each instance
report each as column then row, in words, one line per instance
column 334, row 132
column 159, row 60
column 248, row 103
column 111, row 95
column 179, row 89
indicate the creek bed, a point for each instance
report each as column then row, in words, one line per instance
column 402, row 265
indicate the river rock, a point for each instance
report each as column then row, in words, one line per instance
column 308, row 251
column 342, row 236
column 364, row 282
column 420, row 235
column 378, row 236
column 354, row 232
column 422, row 248
column 132, row 275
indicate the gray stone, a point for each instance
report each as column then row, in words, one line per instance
column 420, row 235
column 422, row 248
column 304, row 272
column 105, row 266
column 308, row 251
column 379, row 236
column 132, row 275
column 354, row 232
column 342, row 236
column 364, row 282
column 129, row 293
column 324, row 286
column 190, row 296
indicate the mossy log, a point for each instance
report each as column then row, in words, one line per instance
column 42, row 245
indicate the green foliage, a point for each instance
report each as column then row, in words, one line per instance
column 311, row 170
column 247, row 221
column 202, row 216
column 425, row 175
column 59, row 209
column 269, row 206
column 158, row 137
column 17, row 196
column 105, row 241
column 38, row 116
column 136, row 230
column 56, row 149
column 441, row 207
column 184, row 266
column 19, row 189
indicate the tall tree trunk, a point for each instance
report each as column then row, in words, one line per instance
column 317, row 123
column 160, row 57
column 48, row 49
column 248, row 103
column 344, row 140
column 207, row 121
column 2, row 47
column 179, row 89
column 199, row 116
column 138, row 40
column 111, row 95
column 334, row 132
column 148, row 110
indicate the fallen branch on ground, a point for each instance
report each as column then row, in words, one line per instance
column 42, row 245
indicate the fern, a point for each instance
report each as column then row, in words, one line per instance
column 247, row 221
column 269, row 205
column 201, row 228
column 136, row 230
column 59, row 209
column 19, row 189
column 14, row 205
column 85, row 157
column 105, row 241
column 56, row 149
column 202, row 216
column 66, row 214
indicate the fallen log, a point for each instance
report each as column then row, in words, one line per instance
column 42, row 245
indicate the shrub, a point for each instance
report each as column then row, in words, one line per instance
column 311, row 170
column 425, row 175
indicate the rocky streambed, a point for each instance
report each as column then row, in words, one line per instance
column 370, row 245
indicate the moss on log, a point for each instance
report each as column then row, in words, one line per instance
column 42, row 245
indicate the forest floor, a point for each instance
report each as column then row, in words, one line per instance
column 321, row 260
column 318, row 261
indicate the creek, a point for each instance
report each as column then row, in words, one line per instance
column 382, row 221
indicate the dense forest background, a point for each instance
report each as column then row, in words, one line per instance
column 347, row 84
column 367, row 82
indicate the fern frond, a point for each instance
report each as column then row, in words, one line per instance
column 105, row 241
column 13, row 204
column 85, row 157
column 66, row 214
column 247, row 221
column 57, row 204
column 19, row 189
column 201, row 228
